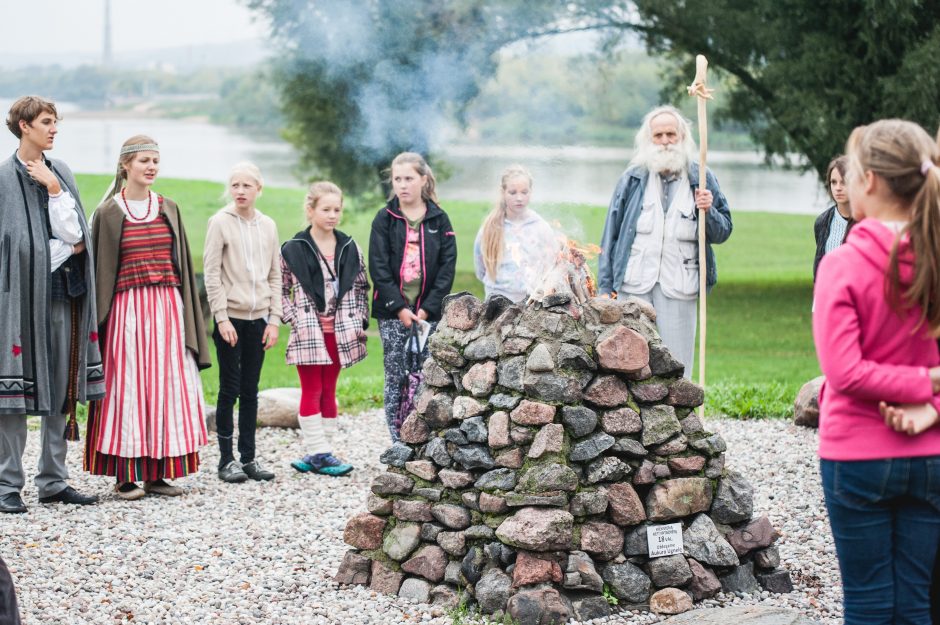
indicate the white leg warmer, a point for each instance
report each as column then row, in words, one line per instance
column 330, row 428
column 311, row 428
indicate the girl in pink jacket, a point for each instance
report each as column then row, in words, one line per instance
column 875, row 324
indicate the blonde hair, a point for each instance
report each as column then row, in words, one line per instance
column 905, row 156
column 428, row 192
column 120, row 176
column 491, row 239
column 244, row 168
column 317, row 190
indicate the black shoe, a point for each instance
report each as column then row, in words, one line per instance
column 13, row 503
column 232, row 473
column 255, row 471
column 70, row 495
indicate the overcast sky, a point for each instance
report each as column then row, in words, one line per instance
column 64, row 26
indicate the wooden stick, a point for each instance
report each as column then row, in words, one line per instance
column 702, row 93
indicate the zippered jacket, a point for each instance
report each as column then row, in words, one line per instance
column 303, row 297
column 387, row 255
column 624, row 212
column 242, row 268
column 869, row 351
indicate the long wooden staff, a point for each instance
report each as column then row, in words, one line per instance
column 698, row 90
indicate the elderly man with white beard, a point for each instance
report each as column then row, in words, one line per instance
column 650, row 241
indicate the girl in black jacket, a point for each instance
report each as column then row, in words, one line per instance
column 412, row 259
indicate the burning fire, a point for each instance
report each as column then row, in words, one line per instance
column 569, row 279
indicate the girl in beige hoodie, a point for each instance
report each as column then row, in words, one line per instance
column 243, row 283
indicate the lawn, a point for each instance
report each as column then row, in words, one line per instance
column 760, row 347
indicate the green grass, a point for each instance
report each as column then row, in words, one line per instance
column 760, row 347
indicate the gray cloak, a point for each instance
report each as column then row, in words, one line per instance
column 26, row 293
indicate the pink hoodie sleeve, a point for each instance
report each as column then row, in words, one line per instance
column 837, row 333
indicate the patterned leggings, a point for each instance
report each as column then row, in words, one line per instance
column 394, row 337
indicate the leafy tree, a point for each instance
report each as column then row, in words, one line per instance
column 362, row 80
column 800, row 74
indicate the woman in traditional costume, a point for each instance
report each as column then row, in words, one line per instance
column 150, row 425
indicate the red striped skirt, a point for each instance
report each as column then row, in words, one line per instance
column 151, row 423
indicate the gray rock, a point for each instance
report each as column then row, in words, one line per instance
column 588, row 502
column 540, row 359
column 475, row 429
column 606, row 469
column 452, row 516
column 635, row 542
column 474, row 457
column 455, row 479
column 471, row 567
column 465, row 407
column 554, row 499
column 768, row 558
column 397, row 455
column 436, row 450
column 521, row 435
column 439, row 411
column 675, row 445
column 777, row 582
column 746, row 615
column 401, row 540
column 378, row 505
column 806, row 404
column 548, row 477
column 443, row 595
column 471, row 499
column 479, row 532
column 392, row 484
column 702, row 541
column 504, row 401
column 670, row 571
column 580, row 573
column 710, row 445
column 740, row 580
column 492, row 591
column 355, row 569
column 734, row 499
column 453, row 574
column 662, row 363
column 430, row 532
column 627, row 582
column 484, row 348
column 691, row 424
column 579, row 420
column 537, row 529
column 543, row 606
column 555, row 387
column 434, row 374
column 590, row 607
column 574, row 357
column 648, row 392
column 659, row 424
column 629, row 447
column 454, row 543
column 415, row 590
column 455, row 436
column 509, row 373
column 497, row 479
column 591, row 447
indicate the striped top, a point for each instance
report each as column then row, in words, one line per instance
column 147, row 255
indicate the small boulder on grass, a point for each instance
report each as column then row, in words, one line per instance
column 806, row 405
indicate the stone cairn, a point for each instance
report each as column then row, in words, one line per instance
column 545, row 442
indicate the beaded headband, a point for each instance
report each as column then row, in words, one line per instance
column 140, row 147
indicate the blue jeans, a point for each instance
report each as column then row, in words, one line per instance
column 885, row 518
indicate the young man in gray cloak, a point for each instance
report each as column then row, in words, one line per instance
column 49, row 356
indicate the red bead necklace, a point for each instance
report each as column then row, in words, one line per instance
column 130, row 213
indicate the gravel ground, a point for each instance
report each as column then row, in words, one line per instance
column 264, row 553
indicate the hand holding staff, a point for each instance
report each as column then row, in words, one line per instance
column 700, row 91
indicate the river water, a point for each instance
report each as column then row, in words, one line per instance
column 573, row 174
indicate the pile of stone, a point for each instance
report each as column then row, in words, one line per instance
column 546, row 443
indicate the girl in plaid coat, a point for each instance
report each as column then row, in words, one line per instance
column 324, row 298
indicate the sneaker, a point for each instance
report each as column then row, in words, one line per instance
column 327, row 464
column 129, row 491
column 159, row 487
column 232, row 473
column 257, row 472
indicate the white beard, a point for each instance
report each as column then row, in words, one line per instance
column 666, row 158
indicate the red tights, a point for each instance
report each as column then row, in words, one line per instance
column 318, row 383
